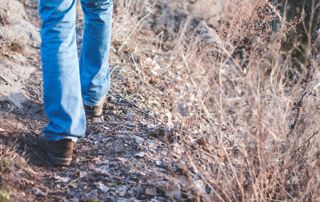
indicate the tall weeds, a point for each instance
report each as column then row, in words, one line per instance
column 244, row 128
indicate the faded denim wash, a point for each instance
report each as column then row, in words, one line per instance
column 69, row 81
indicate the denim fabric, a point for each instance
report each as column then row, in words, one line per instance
column 70, row 82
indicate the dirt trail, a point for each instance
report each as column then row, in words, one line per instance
column 125, row 156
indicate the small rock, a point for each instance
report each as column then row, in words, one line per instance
column 140, row 154
column 102, row 187
column 154, row 200
column 122, row 190
column 151, row 191
column 17, row 98
column 138, row 139
column 183, row 110
column 122, row 160
column 38, row 192
column 92, row 196
column 122, row 200
column 102, row 170
column 159, row 163
column 71, row 193
column 61, row 179
column 73, row 200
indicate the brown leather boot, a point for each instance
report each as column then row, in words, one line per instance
column 59, row 152
column 94, row 111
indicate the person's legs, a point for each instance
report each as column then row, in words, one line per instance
column 61, row 77
column 94, row 66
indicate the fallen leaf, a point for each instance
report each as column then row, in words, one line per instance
column 74, row 184
column 4, row 196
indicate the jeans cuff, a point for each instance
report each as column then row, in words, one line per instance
column 55, row 137
column 92, row 103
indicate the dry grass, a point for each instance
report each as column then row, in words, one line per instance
column 13, row 170
column 243, row 130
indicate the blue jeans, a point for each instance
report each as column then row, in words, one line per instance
column 69, row 82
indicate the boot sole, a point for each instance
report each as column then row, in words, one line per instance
column 58, row 161
column 90, row 114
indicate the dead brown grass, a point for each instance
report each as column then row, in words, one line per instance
column 243, row 130
column 13, row 169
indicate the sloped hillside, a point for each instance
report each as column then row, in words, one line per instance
column 19, row 42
